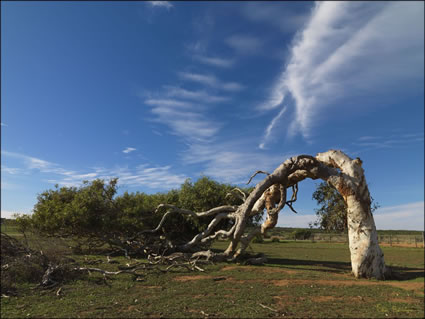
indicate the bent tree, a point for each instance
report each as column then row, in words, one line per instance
column 336, row 168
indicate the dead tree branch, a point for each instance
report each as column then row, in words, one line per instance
column 255, row 174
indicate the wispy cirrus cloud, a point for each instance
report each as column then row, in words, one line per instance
column 188, row 112
column 245, row 44
column 159, row 177
column 11, row 170
column 154, row 177
column 169, row 103
column 30, row 163
column 190, row 125
column 389, row 141
column 129, row 150
column 408, row 216
column 231, row 162
column 287, row 18
column 215, row 61
column 350, row 49
column 211, row 80
column 270, row 127
column 197, row 95
column 161, row 4
column 185, row 119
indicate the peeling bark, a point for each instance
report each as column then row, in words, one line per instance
column 335, row 167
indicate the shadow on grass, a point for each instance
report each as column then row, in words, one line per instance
column 405, row 273
column 397, row 273
column 316, row 265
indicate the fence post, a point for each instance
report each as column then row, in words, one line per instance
column 391, row 242
column 416, row 243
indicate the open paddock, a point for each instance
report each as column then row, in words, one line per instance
column 300, row 279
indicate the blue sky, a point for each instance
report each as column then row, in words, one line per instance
column 157, row 92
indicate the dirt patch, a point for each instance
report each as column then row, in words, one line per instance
column 270, row 270
column 406, row 285
column 333, row 298
column 403, row 285
column 402, row 300
column 288, row 300
column 284, row 300
column 267, row 270
column 227, row 268
column 191, row 278
column 153, row 287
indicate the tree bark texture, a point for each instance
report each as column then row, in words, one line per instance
column 333, row 166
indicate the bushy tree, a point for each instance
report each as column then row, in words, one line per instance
column 94, row 213
column 85, row 211
column 332, row 211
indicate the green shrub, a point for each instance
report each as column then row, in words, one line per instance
column 92, row 213
column 301, row 234
column 258, row 239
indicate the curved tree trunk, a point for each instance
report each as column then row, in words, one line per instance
column 335, row 167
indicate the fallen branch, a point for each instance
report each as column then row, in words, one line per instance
column 267, row 307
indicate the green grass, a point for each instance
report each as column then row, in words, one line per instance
column 301, row 279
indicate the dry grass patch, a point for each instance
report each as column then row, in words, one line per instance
column 267, row 270
column 403, row 285
column 192, row 278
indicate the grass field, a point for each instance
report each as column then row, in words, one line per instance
column 301, row 279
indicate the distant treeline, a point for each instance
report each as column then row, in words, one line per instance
column 279, row 230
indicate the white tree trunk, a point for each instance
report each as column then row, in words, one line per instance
column 367, row 259
column 335, row 167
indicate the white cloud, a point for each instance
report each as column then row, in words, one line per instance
column 230, row 162
column 11, row 170
column 368, row 138
column 270, row 128
column 198, row 47
column 168, row 103
column 37, row 164
column 211, row 80
column 389, row 141
column 190, row 124
column 161, row 4
column 350, row 49
column 189, row 119
column 406, row 217
column 200, row 95
column 156, row 177
column 153, row 177
column 2, row 124
column 245, row 44
column 214, row 61
column 287, row 18
column 128, row 150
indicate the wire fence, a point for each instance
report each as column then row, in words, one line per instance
column 408, row 240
